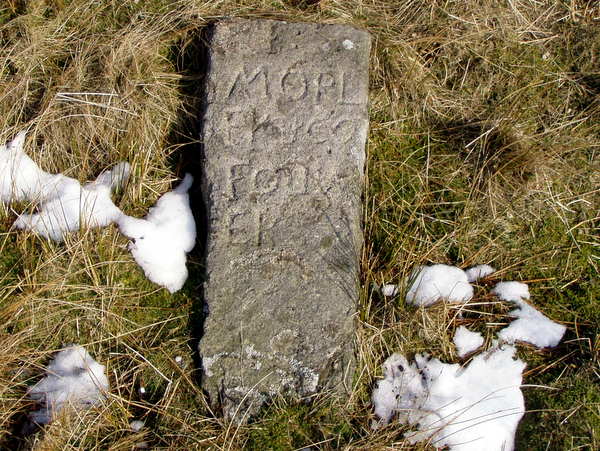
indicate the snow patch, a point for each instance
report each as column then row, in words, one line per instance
column 439, row 282
column 400, row 392
column 532, row 327
column 389, row 290
column 160, row 242
column 467, row 409
column 479, row 272
column 64, row 205
column 466, row 341
column 511, row 291
column 20, row 178
column 72, row 378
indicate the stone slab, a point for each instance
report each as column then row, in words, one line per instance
column 284, row 134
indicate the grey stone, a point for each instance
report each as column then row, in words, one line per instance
column 284, row 132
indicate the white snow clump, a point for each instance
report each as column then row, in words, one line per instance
column 439, row 282
column 65, row 205
column 399, row 392
column 530, row 326
column 479, row 272
column 466, row 341
column 20, row 178
column 533, row 327
column 160, row 242
column 467, row 409
column 389, row 290
column 72, row 378
column 511, row 291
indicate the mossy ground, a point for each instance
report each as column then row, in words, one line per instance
column 483, row 148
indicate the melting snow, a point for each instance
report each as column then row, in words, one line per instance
column 533, row 327
column 400, row 392
column 479, row 272
column 389, row 290
column 20, row 178
column 464, row 408
column 65, row 205
column 159, row 242
column 466, row 341
column 530, row 326
column 439, row 282
column 467, row 409
column 511, row 291
column 73, row 378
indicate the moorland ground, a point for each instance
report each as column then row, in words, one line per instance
column 483, row 148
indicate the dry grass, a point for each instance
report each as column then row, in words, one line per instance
column 485, row 133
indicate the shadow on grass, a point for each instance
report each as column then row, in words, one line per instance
column 189, row 57
column 490, row 148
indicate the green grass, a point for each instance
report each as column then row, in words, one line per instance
column 483, row 148
column 283, row 427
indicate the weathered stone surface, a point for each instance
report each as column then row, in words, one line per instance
column 284, row 134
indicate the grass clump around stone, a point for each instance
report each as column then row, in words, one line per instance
column 483, row 148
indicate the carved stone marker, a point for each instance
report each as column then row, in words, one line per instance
column 284, row 135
